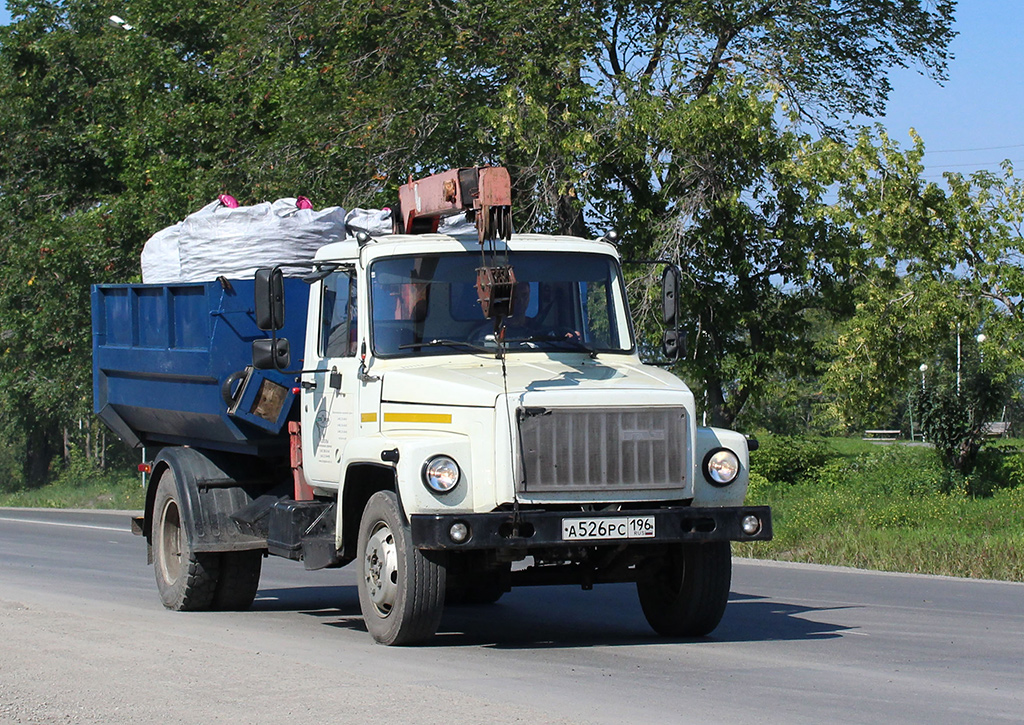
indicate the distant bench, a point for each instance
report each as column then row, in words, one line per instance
column 996, row 428
column 881, row 435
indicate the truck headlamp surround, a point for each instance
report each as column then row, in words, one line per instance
column 441, row 474
column 721, row 467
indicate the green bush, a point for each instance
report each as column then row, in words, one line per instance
column 999, row 466
column 10, row 470
column 892, row 507
column 902, row 471
column 78, row 470
column 762, row 490
column 80, row 483
column 82, row 486
column 789, row 459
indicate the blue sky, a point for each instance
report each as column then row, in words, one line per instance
column 974, row 120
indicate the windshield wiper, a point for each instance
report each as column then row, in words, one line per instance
column 572, row 342
column 447, row 343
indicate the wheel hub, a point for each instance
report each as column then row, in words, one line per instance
column 381, row 569
column 170, row 533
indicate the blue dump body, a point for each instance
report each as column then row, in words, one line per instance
column 169, row 365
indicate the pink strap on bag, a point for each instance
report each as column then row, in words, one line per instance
column 303, row 203
column 227, row 200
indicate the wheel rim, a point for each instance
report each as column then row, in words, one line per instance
column 170, row 542
column 381, row 568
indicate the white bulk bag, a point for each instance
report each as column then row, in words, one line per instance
column 374, row 222
column 377, row 222
column 160, row 261
column 457, row 226
column 218, row 240
column 235, row 241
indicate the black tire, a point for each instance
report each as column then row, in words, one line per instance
column 685, row 592
column 401, row 591
column 486, row 593
column 485, row 588
column 187, row 581
column 239, row 580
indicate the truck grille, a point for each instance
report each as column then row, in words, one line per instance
column 610, row 449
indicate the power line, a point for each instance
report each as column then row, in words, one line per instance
column 986, row 148
column 937, row 173
column 978, row 163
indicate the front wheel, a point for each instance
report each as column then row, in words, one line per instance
column 684, row 593
column 401, row 590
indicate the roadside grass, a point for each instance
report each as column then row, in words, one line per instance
column 891, row 508
column 88, row 489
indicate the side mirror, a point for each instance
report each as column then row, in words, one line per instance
column 269, row 293
column 670, row 295
column 673, row 342
column 271, row 354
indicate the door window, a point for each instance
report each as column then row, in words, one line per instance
column 338, row 335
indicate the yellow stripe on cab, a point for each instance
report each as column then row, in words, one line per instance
column 417, row 417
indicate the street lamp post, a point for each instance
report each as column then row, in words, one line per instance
column 910, row 410
column 958, row 356
column 923, row 369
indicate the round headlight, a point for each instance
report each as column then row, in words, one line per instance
column 721, row 467
column 441, row 474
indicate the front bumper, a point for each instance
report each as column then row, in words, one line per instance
column 543, row 529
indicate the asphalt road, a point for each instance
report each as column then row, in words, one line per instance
column 83, row 638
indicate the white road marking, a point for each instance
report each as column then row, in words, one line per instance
column 61, row 523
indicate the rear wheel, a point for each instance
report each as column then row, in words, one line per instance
column 239, row 580
column 685, row 592
column 401, row 591
column 187, row 581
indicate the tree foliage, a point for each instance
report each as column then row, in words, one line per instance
column 704, row 112
column 697, row 129
column 939, row 266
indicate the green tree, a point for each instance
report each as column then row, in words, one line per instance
column 700, row 152
column 661, row 119
column 953, row 408
column 937, row 266
column 111, row 133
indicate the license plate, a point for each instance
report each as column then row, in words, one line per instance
column 614, row 527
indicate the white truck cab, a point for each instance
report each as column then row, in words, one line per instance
column 455, row 445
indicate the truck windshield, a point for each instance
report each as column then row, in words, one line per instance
column 427, row 304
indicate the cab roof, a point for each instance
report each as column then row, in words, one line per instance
column 402, row 244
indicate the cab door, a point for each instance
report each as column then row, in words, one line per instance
column 330, row 394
